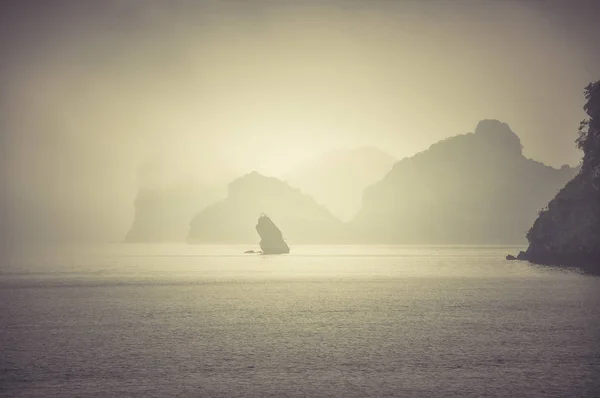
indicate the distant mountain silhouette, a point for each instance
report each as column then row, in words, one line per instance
column 474, row 188
column 337, row 179
column 568, row 231
column 233, row 219
column 164, row 214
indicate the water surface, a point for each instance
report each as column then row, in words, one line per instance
column 166, row 320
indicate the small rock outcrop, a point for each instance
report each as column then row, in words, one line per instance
column 271, row 238
column 521, row 256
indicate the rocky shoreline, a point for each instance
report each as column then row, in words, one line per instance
column 547, row 257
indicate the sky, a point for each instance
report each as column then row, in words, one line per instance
column 214, row 89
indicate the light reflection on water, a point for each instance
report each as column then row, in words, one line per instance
column 162, row 320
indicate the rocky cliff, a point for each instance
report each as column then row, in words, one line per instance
column 568, row 231
column 271, row 238
column 475, row 188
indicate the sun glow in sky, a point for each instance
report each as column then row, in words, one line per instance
column 217, row 89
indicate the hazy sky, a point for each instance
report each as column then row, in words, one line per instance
column 92, row 88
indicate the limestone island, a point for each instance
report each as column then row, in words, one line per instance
column 567, row 232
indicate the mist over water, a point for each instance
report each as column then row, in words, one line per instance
column 217, row 89
column 338, row 122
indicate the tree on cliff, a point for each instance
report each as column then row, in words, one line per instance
column 589, row 131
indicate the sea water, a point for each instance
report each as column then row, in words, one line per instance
column 184, row 320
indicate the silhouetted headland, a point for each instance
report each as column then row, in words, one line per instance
column 475, row 188
column 232, row 220
column 568, row 231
